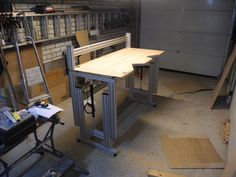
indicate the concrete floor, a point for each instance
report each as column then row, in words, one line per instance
column 140, row 127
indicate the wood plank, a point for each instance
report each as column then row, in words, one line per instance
column 3, row 80
column 226, row 71
column 55, row 77
column 58, row 93
column 190, row 152
column 120, row 63
column 57, row 83
column 156, row 173
column 82, row 38
column 230, row 170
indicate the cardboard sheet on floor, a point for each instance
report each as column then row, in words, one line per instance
column 186, row 86
column 190, row 152
column 157, row 173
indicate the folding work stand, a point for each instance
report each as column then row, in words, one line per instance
column 40, row 147
column 17, row 132
column 109, row 132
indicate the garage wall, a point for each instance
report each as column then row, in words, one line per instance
column 194, row 34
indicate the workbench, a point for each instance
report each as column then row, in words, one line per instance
column 108, row 69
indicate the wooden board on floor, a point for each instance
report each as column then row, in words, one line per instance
column 186, row 86
column 226, row 71
column 156, row 173
column 120, row 63
column 82, row 38
column 190, row 152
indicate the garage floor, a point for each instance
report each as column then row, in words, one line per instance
column 140, row 127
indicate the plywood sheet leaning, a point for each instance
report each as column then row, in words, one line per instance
column 28, row 58
column 156, row 173
column 82, row 38
column 226, row 71
column 186, row 86
column 58, row 85
column 190, row 152
column 29, row 61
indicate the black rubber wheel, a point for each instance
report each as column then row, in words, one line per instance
column 41, row 152
column 115, row 154
column 78, row 140
column 87, row 173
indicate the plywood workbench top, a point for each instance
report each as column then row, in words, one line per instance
column 118, row 64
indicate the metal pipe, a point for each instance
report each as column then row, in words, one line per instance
column 24, row 80
column 97, row 46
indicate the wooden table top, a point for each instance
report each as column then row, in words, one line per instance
column 118, row 64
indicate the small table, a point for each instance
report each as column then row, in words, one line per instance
column 109, row 69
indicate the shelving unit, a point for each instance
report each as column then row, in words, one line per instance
column 46, row 27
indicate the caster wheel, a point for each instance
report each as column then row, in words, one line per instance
column 115, row 154
column 41, row 152
column 87, row 173
column 78, row 140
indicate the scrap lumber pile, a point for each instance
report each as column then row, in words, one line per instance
column 156, row 173
column 226, row 131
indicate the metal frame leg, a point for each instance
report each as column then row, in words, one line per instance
column 80, row 115
column 113, row 108
column 153, row 80
column 153, row 73
column 78, row 104
column 107, row 124
column 109, row 132
column 130, row 85
column 72, row 79
column 106, row 121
